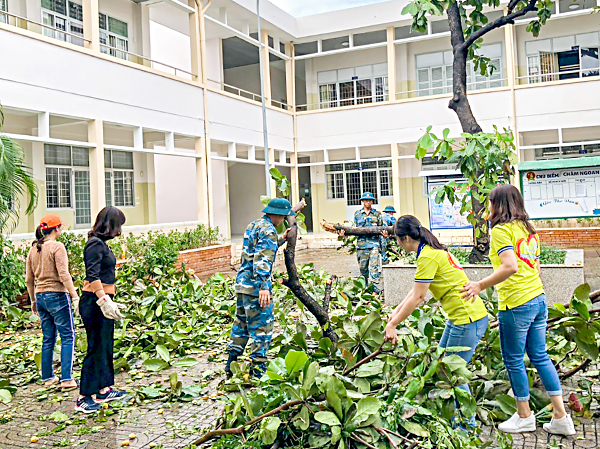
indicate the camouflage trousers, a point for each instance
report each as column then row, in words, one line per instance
column 251, row 321
column 369, row 262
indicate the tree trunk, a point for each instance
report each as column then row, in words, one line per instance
column 460, row 105
column 359, row 231
column 320, row 312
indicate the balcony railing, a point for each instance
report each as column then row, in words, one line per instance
column 245, row 93
column 147, row 62
column 558, row 76
column 40, row 28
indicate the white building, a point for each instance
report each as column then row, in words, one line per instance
column 154, row 106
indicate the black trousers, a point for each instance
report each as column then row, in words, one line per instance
column 97, row 371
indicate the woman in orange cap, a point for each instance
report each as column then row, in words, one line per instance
column 49, row 285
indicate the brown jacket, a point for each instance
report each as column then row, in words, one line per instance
column 48, row 270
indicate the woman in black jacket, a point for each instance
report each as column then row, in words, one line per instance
column 99, row 312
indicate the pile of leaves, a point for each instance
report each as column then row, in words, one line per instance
column 364, row 393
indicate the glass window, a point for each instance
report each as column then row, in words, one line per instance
column 117, row 26
column 119, row 178
column 328, row 95
column 305, row 49
column 122, row 159
column 353, row 189
column 372, row 37
column 334, row 167
column 108, row 187
column 51, row 187
column 57, row 154
column 81, row 157
column 368, row 164
column 59, row 6
column 75, row 11
column 385, row 183
column 369, row 179
column 364, row 91
column 335, row 185
column 123, row 188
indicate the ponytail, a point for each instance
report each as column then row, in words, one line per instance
column 410, row 226
column 40, row 236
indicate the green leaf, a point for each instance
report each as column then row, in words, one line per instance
column 581, row 308
column 336, row 434
column 186, row 362
column 264, row 199
column 507, row 403
column 276, row 174
column 468, row 406
column 415, row 428
column 335, row 402
column 415, row 385
column 269, row 428
column 327, row 418
column 150, row 392
column 163, row 353
column 5, row 396
column 365, row 408
column 173, row 380
column 302, row 420
column 373, row 368
column 295, row 361
column 155, row 364
column 310, row 376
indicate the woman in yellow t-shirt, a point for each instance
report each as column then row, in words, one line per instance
column 439, row 272
column 522, row 309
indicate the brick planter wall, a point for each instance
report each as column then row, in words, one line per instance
column 570, row 237
column 207, row 261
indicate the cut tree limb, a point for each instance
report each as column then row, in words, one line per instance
column 238, row 430
column 293, row 281
column 363, row 361
column 358, row 231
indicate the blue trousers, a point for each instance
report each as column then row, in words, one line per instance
column 524, row 329
column 467, row 335
column 56, row 315
column 251, row 321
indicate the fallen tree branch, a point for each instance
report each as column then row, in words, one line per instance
column 238, row 430
column 363, row 361
column 327, row 296
column 358, row 439
column 358, row 231
column 293, row 281
column 402, row 437
column 575, row 370
column 386, row 435
column 496, row 323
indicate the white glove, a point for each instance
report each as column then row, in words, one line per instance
column 110, row 309
column 75, row 303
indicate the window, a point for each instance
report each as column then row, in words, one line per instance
column 61, row 17
column 119, row 178
column 114, row 36
column 64, row 162
column 3, row 7
column 567, row 151
column 434, row 72
column 371, row 176
column 355, row 85
column 564, row 57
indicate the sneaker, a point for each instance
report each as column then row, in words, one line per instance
column 516, row 424
column 562, row 426
column 86, row 405
column 232, row 358
column 110, row 395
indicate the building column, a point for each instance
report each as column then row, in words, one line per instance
column 97, row 176
column 264, row 38
column 403, row 77
column 91, row 25
column 274, row 190
column 396, row 176
column 201, row 180
column 511, row 74
column 290, row 77
column 391, row 61
column 195, row 38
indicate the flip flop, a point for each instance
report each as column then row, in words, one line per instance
column 52, row 382
column 71, row 387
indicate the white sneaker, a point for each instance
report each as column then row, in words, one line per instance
column 516, row 424
column 562, row 426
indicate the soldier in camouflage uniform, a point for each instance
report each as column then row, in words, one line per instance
column 254, row 315
column 388, row 220
column 368, row 250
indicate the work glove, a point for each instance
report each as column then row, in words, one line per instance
column 110, row 309
column 75, row 303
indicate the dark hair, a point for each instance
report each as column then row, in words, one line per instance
column 408, row 225
column 508, row 207
column 40, row 236
column 108, row 223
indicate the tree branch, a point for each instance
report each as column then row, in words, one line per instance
column 358, row 231
column 358, row 439
column 499, row 22
column 238, row 430
column 386, row 435
column 575, row 370
column 327, row 297
column 363, row 361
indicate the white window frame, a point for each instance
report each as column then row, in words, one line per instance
column 345, row 171
column 333, row 87
column 3, row 8
column 112, row 40
column 109, row 177
column 50, row 30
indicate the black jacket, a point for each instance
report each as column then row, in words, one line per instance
column 99, row 261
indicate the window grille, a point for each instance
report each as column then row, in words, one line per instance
column 119, row 178
column 83, row 204
column 335, row 185
column 385, row 184
column 353, row 191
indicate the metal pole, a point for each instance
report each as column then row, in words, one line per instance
column 262, row 96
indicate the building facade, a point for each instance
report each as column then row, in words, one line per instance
column 154, row 107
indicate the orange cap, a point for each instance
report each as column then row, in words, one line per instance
column 50, row 221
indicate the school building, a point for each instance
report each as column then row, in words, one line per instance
column 154, row 106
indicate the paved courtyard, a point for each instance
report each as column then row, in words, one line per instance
column 179, row 424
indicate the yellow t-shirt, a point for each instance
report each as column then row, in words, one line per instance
column 446, row 278
column 525, row 284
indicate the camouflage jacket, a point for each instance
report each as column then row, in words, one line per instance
column 258, row 255
column 362, row 219
column 388, row 220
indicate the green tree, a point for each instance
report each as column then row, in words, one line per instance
column 16, row 182
column 468, row 25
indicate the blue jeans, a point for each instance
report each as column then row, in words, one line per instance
column 465, row 335
column 524, row 329
column 56, row 314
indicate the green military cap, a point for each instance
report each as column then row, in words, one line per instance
column 279, row 206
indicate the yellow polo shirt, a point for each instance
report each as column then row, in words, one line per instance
column 446, row 278
column 525, row 284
